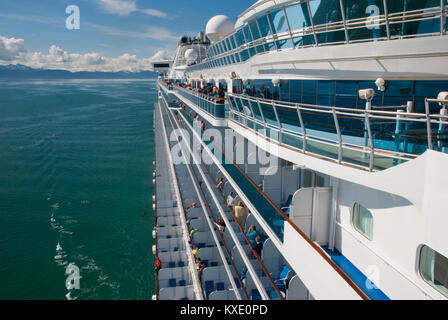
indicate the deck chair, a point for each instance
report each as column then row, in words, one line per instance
column 287, row 206
column 283, row 279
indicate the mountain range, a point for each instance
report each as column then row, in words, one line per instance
column 19, row 71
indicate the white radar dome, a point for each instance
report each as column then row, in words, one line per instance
column 191, row 55
column 219, row 27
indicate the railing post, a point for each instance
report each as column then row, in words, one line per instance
column 279, row 123
column 428, row 125
column 262, row 115
column 442, row 130
column 336, row 123
column 303, row 128
column 372, row 149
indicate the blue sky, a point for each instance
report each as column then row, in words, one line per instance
column 109, row 28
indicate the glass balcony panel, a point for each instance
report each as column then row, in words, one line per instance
column 244, row 55
column 260, row 49
column 268, row 113
column 289, row 118
column 256, row 110
column 400, row 135
column 284, row 44
column 292, row 140
column 415, row 27
column 270, row 46
column 252, row 51
column 366, row 33
column 329, row 150
column 236, row 56
column 304, row 41
column 330, row 37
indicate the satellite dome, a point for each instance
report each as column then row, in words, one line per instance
column 191, row 55
column 219, row 27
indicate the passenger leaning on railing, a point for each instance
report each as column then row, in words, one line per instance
column 240, row 213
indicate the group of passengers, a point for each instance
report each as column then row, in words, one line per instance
column 210, row 90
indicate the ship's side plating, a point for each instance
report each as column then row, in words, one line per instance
column 351, row 210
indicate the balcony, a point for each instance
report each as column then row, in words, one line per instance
column 213, row 106
column 372, row 140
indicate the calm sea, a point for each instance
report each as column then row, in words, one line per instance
column 75, row 176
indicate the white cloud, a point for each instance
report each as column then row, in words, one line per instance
column 151, row 32
column 13, row 51
column 11, row 48
column 154, row 13
column 126, row 7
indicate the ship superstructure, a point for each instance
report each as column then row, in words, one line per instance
column 301, row 153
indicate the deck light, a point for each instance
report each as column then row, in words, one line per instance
column 443, row 97
column 367, row 94
column 381, row 84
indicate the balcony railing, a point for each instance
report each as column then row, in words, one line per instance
column 368, row 139
column 211, row 105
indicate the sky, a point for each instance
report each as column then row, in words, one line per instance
column 113, row 35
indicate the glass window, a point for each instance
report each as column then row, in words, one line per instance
column 398, row 93
column 254, row 28
column 309, row 91
column 278, row 21
column 239, row 37
column 284, row 44
column 325, row 91
column 434, row 269
column 346, row 94
column 295, row 90
column 223, row 47
column 363, row 221
column 324, row 12
column 357, row 9
column 232, row 40
column 229, row 47
column 265, row 29
column 247, row 34
column 298, row 16
column 409, row 5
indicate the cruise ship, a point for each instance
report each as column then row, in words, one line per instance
column 301, row 154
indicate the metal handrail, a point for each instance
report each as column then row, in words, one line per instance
column 368, row 115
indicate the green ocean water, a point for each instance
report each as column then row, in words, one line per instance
column 75, row 176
